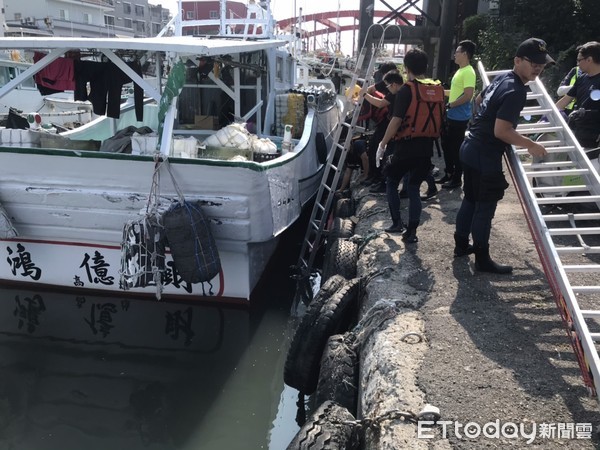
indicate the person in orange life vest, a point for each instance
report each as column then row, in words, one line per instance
column 458, row 114
column 491, row 132
column 356, row 159
column 411, row 152
column 380, row 72
column 379, row 97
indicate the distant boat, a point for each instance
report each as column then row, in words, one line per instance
column 70, row 204
column 58, row 108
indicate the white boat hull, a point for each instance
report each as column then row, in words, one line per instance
column 69, row 208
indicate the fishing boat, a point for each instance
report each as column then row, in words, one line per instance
column 67, row 199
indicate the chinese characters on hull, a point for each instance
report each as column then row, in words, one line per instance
column 96, row 271
column 99, row 268
column 21, row 260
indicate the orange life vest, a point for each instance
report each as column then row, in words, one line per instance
column 369, row 111
column 425, row 113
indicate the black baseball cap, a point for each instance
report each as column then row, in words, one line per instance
column 386, row 67
column 535, row 50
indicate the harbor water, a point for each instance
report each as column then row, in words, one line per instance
column 97, row 373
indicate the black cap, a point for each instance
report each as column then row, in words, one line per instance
column 386, row 67
column 535, row 50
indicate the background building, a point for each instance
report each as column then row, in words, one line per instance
column 83, row 18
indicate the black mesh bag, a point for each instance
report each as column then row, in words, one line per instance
column 192, row 244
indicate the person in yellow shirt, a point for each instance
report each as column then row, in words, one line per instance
column 459, row 112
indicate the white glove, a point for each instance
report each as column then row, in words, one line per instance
column 379, row 155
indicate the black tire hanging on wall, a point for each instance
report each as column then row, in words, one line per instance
column 338, row 377
column 344, row 208
column 341, row 259
column 330, row 287
column 334, row 315
column 340, row 228
column 330, row 427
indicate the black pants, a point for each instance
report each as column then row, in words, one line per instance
column 374, row 141
column 483, row 187
column 452, row 139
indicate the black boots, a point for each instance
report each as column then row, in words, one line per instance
column 447, row 177
column 483, row 262
column 396, row 227
column 432, row 191
column 462, row 246
column 410, row 235
column 454, row 182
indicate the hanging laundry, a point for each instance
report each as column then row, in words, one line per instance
column 106, row 83
column 58, row 76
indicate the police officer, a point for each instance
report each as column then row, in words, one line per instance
column 490, row 134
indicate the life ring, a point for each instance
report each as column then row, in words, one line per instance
column 341, row 259
column 338, row 377
column 321, row 320
column 330, row 427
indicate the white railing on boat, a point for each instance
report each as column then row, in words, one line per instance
column 258, row 22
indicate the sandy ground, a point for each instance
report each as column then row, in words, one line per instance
column 494, row 348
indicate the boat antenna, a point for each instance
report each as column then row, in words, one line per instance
column 294, row 31
column 338, row 34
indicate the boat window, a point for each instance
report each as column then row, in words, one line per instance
column 4, row 75
column 28, row 82
column 290, row 68
column 9, row 73
column 279, row 68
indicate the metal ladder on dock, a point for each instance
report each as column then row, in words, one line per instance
column 568, row 242
column 334, row 166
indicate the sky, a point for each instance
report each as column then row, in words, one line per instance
column 284, row 9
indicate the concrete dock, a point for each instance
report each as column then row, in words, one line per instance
column 490, row 351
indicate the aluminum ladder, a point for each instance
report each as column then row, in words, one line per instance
column 548, row 189
column 377, row 35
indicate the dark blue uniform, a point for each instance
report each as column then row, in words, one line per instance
column 481, row 157
column 585, row 119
